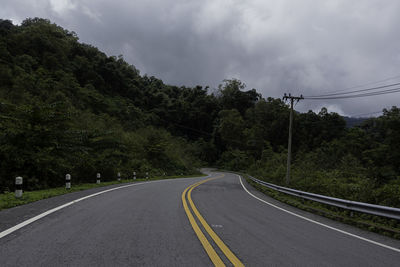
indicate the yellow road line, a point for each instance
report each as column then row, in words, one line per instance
column 228, row 253
column 207, row 246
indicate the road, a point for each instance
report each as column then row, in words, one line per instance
column 154, row 224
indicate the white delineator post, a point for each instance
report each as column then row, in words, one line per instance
column 134, row 175
column 18, row 187
column 68, row 181
column 119, row 176
column 98, row 178
column 147, row 176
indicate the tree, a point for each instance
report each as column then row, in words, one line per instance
column 230, row 128
column 231, row 96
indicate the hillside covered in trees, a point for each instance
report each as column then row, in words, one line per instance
column 66, row 107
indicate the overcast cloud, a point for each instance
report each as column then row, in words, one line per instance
column 304, row 47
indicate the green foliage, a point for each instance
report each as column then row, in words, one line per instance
column 230, row 128
column 231, row 96
column 235, row 160
column 66, row 107
column 359, row 163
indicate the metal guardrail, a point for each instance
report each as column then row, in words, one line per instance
column 389, row 212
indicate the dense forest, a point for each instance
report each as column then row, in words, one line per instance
column 66, row 107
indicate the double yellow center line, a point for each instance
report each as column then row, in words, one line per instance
column 206, row 244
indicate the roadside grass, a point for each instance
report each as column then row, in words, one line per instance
column 8, row 199
column 384, row 226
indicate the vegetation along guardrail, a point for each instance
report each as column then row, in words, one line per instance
column 384, row 211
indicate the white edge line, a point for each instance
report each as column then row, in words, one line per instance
column 321, row 224
column 37, row 217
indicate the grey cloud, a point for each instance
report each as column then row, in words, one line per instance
column 306, row 47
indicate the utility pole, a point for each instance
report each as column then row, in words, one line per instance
column 289, row 156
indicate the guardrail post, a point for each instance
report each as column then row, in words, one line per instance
column 18, row 187
column 134, row 175
column 68, row 181
column 98, row 178
column 147, row 176
column 119, row 176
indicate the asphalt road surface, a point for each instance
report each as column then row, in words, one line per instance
column 185, row 222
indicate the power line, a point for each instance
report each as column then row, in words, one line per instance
column 383, row 92
column 365, row 84
column 355, row 91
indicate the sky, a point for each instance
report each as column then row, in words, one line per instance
column 303, row 47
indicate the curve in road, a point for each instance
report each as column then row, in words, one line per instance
column 148, row 225
column 207, row 246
